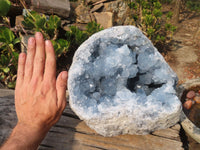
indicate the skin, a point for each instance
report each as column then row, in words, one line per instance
column 40, row 98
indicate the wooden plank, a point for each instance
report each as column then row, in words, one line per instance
column 70, row 133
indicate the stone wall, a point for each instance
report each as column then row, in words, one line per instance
column 108, row 13
column 105, row 12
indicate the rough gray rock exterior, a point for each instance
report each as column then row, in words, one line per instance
column 59, row 7
column 120, row 84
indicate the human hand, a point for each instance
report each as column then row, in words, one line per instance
column 39, row 98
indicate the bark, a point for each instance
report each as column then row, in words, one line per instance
column 177, row 11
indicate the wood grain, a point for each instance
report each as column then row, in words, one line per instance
column 70, row 133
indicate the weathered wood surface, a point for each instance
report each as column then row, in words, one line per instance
column 59, row 7
column 70, row 133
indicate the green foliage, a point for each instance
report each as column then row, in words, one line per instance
column 93, row 27
column 39, row 22
column 76, row 37
column 165, row 1
column 8, row 53
column 193, row 5
column 9, row 57
column 4, row 7
column 52, row 25
column 49, row 27
column 149, row 18
column 132, row 5
column 169, row 15
column 60, row 46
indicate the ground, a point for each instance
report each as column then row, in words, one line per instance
column 184, row 55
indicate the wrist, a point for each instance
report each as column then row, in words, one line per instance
column 31, row 129
column 30, row 136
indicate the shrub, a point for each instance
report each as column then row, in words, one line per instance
column 76, row 37
column 149, row 18
column 8, row 52
column 9, row 57
column 193, row 5
column 49, row 27
column 4, row 7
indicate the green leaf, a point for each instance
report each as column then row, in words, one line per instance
column 40, row 22
column 169, row 14
column 4, row 7
column 6, row 35
column 162, row 38
column 157, row 5
column 149, row 19
column 11, row 85
column 63, row 43
column 150, row 31
column 60, row 46
column 132, row 5
column 4, row 60
column 5, row 70
column 2, row 76
column 53, row 24
column 34, row 21
column 93, row 27
column 17, row 40
column 157, row 12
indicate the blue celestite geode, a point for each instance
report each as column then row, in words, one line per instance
column 120, row 84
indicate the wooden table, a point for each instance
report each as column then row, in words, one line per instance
column 70, row 133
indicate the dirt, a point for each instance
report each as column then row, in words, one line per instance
column 184, row 54
column 184, row 57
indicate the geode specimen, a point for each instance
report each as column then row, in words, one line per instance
column 120, row 84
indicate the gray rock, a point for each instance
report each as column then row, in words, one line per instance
column 24, row 42
column 96, row 7
column 120, row 10
column 83, row 15
column 120, row 84
column 59, row 7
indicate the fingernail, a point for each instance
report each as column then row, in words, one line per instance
column 39, row 34
column 31, row 40
column 64, row 75
column 22, row 55
column 48, row 42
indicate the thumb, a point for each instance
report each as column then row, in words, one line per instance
column 61, row 86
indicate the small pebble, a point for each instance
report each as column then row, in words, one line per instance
column 187, row 104
column 191, row 94
column 197, row 99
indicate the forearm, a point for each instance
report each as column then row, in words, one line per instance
column 24, row 138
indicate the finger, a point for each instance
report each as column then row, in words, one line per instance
column 30, row 59
column 63, row 105
column 21, row 68
column 61, row 86
column 39, row 60
column 50, row 63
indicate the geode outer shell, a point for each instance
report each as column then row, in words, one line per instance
column 120, row 84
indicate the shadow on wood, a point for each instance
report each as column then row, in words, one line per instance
column 70, row 133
